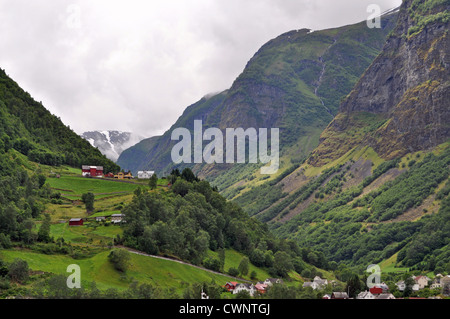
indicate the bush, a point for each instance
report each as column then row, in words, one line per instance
column 120, row 259
column 212, row 263
column 233, row 272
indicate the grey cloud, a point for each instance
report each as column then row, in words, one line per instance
column 138, row 64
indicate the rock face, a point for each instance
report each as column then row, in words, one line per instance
column 405, row 90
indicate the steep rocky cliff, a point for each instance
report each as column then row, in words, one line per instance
column 402, row 102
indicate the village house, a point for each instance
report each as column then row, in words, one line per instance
column 369, row 295
column 436, row 284
column 445, row 285
column 366, row 295
column 76, row 222
column 91, row 171
column 145, row 174
column 122, row 175
column 339, row 295
column 117, row 218
column 379, row 289
column 416, row 287
column 422, row 281
column 250, row 288
column 261, row 288
column 229, row 286
column 271, row 281
column 100, row 218
column 386, row 296
column 401, row 285
column 317, row 283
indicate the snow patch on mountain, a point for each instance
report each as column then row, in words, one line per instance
column 112, row 143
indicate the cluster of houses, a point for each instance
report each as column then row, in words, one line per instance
column 317, row 283
column 114, row 219
column 381, row 291
column 252, row 289
column 420, row 282
column 97, row 171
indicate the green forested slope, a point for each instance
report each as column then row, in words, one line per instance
column 33, row 131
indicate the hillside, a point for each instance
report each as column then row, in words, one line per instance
column 376, row 187
column 28, row 127
column 175, row 241
column 294, row 83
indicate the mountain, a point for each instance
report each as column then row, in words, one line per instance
column 29, row 128
column 294, row 83
column 405, row 93
column 376, row 187
column 111, row 143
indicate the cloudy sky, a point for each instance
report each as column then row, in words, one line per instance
column 136, row 65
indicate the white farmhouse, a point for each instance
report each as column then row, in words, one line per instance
column 248, row 287
column 317, row 283
column 145, row 174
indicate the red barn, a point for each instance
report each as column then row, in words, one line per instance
column 92, row 171
column 76, row 222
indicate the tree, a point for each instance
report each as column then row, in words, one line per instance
column 221, row 253
column 201, row 245
column 409, row 283
column 188, row 175
column 153, row 183
column 257, row 257
column 88, row 200
column 281, row 291
column 233, row 272
column 44, row 230
column 354, row 286
column 282, row 263
column 41, row 180
column 181, row 187
column 18, row 270
column 120, row 259
column 244, row 266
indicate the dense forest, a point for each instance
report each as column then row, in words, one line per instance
column 193, row 218
column 26, row 126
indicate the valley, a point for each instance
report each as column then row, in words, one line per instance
column 363, row 181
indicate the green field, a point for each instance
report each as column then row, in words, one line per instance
column 93, row 234
column 158, row 272
column 72, row 187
